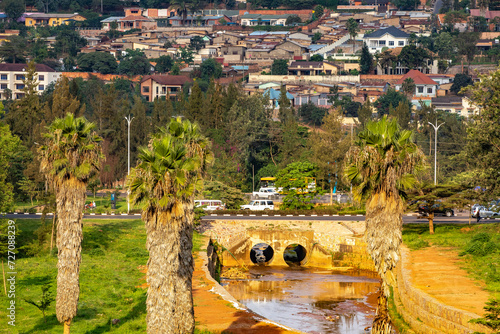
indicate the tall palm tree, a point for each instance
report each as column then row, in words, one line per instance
column 381, row 167
column 165, row 180
column 70, row 157
column 182, row 7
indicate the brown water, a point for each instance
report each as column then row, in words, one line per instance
column 310, row 300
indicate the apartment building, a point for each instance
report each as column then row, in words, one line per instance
column 12, row 76
column 156, row 86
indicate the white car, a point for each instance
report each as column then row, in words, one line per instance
column 265, row 192
column 258, row 205
column 209, row 204
column 482, row 211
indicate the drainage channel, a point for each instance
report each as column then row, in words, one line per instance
column 311, row 300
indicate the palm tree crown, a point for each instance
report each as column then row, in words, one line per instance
column 384, row 159
column 72, row 150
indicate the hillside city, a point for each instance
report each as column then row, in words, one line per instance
column 183, row 110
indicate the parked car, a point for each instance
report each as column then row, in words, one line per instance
column 482, row 211
column 265, row 192
column 258, row 205
column 438, row 209
column 209, row 204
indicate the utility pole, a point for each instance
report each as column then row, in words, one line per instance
column 129, row 120
column 436, row 128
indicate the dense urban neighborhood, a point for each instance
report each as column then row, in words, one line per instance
column 178, row 110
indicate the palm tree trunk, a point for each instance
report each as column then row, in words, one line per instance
column 383, row 236
column 70, row 199
column 170, row 268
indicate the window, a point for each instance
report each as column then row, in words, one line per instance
column 420, row 89
column 401, row 43
column 173, row 89
column 19, row 86
column 391, row 43
column 4, row 77
column 145, row 89
column 41, row 87
column 381, row 42
column 3, row 86
column 19, row 77
column 41, row 77
column 429, row 90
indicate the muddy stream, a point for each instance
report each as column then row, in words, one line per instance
column 310, row 300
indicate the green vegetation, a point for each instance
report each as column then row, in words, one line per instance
column 477, row 244
column 112, row 279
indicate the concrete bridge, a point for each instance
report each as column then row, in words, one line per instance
column 324, row 244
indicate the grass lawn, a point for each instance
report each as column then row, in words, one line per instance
column 478, row 244
column 114, row 253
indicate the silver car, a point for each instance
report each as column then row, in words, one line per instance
column 482, row 212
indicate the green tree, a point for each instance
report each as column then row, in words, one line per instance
column 63, row 102
column 230, row 196
column 402, row 113
column 164, row 64
column 69, row 158
column 328, row 147
column 134, row 62
column 286, row 111
column 445, row 45
column 460, row 81
column 366, row 60
column 319, row 11
column 466, row 43
column 14, row 51
column 408, row 87
column 195, row 110
column 13, row 8
column 293, row 19
column 165, row 181
column 405, row 4
column 483, row 144
column 413, row 57
column 197, row 43
column 25, row 114
column 100, row 62
column 365, row 113
column 312, row 114
column 186, row 55
column 9, row 144
column 316, row 57
column 279, row 67
column 316, row 37
column 391, row 97
column 353, row 29
column 381, row 167
column 210, row 68
column 68, row 42
column 295, row 181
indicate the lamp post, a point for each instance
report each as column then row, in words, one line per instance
column 129, row 120
column 436, row 128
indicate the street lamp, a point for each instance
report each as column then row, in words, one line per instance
column 436, row 128
column 129, row 120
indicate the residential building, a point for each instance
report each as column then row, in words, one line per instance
column 266, row 20
column 455, row 105
column 155, row 86
column 136, row 21
column 38, row 19
column 12, row 76
column 312, row 68
column 425, row 87
column 197, row 21
column 390, row 37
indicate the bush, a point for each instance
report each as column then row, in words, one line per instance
column 480, row 245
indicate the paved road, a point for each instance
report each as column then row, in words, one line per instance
column 406, row 219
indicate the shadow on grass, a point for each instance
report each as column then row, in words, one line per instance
column 100, row 236
column 37, row 280
column 44, row 326
column 138, row 310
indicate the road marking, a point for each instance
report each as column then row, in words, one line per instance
column 92, row 214
column 289, row 215
column 213, row 215
column 226, row 215
column 347, row 215
column 359, row 215
column 26, row 213
column 123, row 214
column 252, row 215
column 239, row 215
column 335, row 215
column 265, row 215
column 326, row 215
column 314, row 215
column 302, row 215
column 137, row 214
column 277, row 215
column 38, row 213
column 112, row 214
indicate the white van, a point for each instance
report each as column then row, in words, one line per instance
column 209, row 204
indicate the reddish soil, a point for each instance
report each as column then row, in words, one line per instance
column 218, row 315
column 438, row 272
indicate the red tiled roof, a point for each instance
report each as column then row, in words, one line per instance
column 418, row 77
column 135, row 18
column 6, row 67
column 171, row 80
column 488, row 14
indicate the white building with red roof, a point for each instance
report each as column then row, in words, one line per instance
column 424, row 86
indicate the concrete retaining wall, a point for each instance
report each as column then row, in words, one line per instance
column 303, row 79
column 425, row 314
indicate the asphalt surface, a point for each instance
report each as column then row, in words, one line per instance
column 437, row 6
column 407, row 219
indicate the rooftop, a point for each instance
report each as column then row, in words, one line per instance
column 392, row 30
